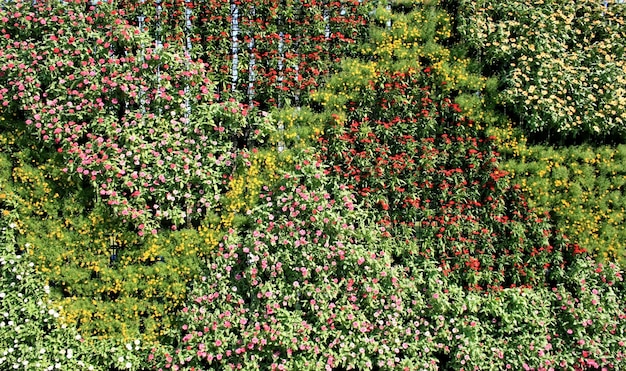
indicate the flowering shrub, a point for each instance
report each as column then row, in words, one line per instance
column 562, row 63
column 310, row 286
column 111, row 283
column 306, row 287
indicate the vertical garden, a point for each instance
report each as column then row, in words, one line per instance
column 312, row 185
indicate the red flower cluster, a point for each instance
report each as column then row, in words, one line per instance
column 434, row 177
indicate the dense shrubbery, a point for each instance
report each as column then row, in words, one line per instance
column 372, row 229
column 119, row 114
column 127, row 292
column 309, row 286
column 35, row 333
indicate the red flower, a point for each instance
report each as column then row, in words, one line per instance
column 473, row 263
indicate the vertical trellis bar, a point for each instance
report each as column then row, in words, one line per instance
column 140, row 23
column 234, row 32
column 296, row 66
column 251, row 64
column 158, row 44
column 281, row 57
column 188, row 47
column 326, row 17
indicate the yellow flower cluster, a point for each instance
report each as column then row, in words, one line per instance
column 567, row 66
column 509, row 141
column 243, row 190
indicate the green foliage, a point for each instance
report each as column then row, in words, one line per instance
column 36, row 333
column 562, row 64
column 31, row 336
column 582, row 188
column 110, row 282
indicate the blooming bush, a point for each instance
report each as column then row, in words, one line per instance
column 111, row 283
column 310, row 286
column 562, row 63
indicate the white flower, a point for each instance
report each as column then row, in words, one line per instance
column 70, row 353
column 42, row 350
column 129, row 365
column 12, row 225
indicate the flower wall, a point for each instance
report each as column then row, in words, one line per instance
column 286, row 185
